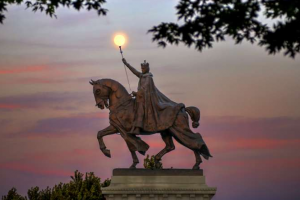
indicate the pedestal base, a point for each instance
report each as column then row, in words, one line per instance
column 165, row 184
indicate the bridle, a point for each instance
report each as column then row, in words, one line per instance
column 105, row 97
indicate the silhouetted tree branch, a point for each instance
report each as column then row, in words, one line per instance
column 50, row 6
column 203, row 22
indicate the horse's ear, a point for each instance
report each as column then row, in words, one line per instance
column 92, row 82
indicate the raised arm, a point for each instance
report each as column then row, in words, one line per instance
column 132, row 69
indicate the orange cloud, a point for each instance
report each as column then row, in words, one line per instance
column 10, row 106
column 23, row 70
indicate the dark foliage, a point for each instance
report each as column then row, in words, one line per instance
column 50, row 6
column 87, row 188
column 202, row 22
column 13, row 195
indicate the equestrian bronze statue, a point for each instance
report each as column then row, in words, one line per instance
column 146, row 112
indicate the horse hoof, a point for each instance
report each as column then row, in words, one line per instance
column 106, row 152
column 142, row 152
column 133, row 166
column 196, row 167
column 158, row 164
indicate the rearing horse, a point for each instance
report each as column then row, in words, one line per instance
column 111, row 94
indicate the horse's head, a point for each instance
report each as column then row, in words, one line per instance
column 101, row 94
column 109, row 93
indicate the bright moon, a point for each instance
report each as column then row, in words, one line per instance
column 119, row 40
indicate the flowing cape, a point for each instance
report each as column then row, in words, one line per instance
column 160, row 111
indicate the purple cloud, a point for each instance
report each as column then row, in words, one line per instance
column 237, row 155
column 89, row 123
column 241, row 127
column 55, row 100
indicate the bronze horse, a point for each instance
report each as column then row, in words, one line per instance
column 111, row 94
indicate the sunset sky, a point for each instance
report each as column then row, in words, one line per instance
column 249, row 101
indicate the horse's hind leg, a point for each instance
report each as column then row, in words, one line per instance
column 167, row 138
column 107, row 131
column 198, row 160
column 135, row 160
column 179, row 131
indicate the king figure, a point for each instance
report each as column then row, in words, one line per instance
column 153, row 111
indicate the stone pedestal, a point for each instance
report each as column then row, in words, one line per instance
column 165, row 184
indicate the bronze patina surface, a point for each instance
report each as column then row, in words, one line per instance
column 148, row 113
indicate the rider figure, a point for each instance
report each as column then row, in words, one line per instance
column 143, row 86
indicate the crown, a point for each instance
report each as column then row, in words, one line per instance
column 145, row 64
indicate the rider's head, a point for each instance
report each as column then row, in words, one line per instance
column 145, row 67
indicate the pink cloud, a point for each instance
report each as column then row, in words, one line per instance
column 223, row 144
column 55, row 100
column 42, row 81
column 83, row 123
column 265, row 143
column 34, row 169
column 263, row 163
column 85, row 152
column 56, row 77
column 24, row 70
column 259, row 128
column 59, row 156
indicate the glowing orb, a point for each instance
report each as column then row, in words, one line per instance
column 119, row 40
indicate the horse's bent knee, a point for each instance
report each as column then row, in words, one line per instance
column 171, row 148
column 99, row 135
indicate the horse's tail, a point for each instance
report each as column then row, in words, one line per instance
column 194, row 113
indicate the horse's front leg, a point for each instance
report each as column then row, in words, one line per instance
column 107, row 131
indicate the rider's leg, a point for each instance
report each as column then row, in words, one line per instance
column 139, row 115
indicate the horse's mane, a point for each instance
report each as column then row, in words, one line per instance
column 114, row 85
